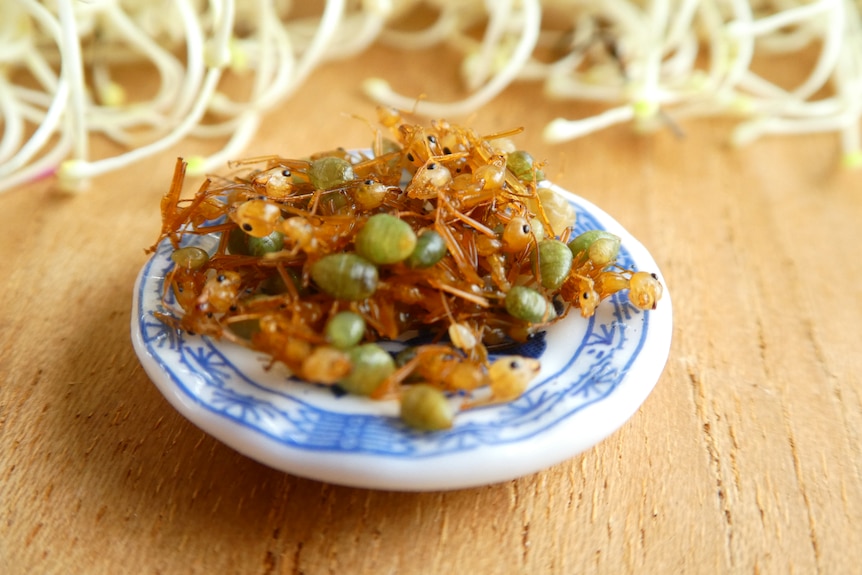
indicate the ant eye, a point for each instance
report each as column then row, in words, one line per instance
column 654, row 276
column 410, row 157
column 432, row 166
column 368, row 182
column 447, row 150
column 432, row 139
column 286, row 173
column 586, row 295
column 515, row 364
column 247, row 227
column 221, row 278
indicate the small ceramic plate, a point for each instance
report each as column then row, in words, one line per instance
column 595, row 374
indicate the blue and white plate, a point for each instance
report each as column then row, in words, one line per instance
column 595, row 374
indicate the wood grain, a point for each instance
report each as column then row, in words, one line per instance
column 745, row 459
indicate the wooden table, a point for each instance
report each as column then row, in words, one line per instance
column 746, row 458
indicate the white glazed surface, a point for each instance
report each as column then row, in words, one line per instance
column 595, row 374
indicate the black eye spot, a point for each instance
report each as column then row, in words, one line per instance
column 432, row 166
column 409, row 157
column 559, row 304
column 286, row 173
column 655, row 277
column 525, row 228
column 515, row 364
column 247, row 227
column 586, row 295
column 432, row 139
column 221, row 278
column 368, row 182
column 447, row 150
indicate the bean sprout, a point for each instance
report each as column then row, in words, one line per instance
column 663, row 59
column 649, row 63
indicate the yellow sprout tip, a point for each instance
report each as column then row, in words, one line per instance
column 645, row 109
column 113, row 95
column 70, row 178
column 238, row 57
column 196, row 165
column 742, row 105
column 376, row 88
column 852, row 160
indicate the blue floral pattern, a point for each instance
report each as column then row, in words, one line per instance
column 583, row 363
